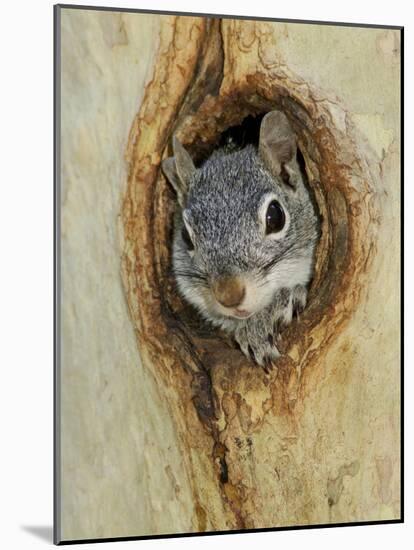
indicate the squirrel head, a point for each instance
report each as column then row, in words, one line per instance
column 246, row 225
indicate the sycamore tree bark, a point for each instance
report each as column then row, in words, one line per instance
column 316, row 440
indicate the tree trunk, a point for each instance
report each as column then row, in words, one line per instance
column 315, row 440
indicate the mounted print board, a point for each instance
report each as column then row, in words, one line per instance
column 228, row 281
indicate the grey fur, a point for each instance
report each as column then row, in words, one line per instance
column 221, row 203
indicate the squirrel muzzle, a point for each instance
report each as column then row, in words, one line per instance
column 229, row 291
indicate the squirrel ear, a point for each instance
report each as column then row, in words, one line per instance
column 178, row 170
column 183, row 163
column 170, row 172
column 277, row 144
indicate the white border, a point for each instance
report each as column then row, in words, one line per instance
column 26, row 301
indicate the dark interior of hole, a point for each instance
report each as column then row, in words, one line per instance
column 245, row 133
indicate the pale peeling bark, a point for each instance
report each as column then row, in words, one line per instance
column 316, row 440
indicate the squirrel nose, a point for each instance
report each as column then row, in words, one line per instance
column 229, row 291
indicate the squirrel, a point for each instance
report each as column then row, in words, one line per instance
column 245, row 234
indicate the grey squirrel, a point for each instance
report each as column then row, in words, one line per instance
column 245, row 235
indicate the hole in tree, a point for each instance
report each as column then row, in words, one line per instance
column 234, row 137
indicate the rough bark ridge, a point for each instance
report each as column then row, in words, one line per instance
column 261, row 450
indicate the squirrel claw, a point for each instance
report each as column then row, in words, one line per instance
column 266, row 358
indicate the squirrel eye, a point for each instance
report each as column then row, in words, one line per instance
column 275, row 218
column 186, row 238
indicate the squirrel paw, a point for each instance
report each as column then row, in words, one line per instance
column 299, row 298
column 258, row 336
column 257, row 340
column 289, row 304
column 262, row 353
